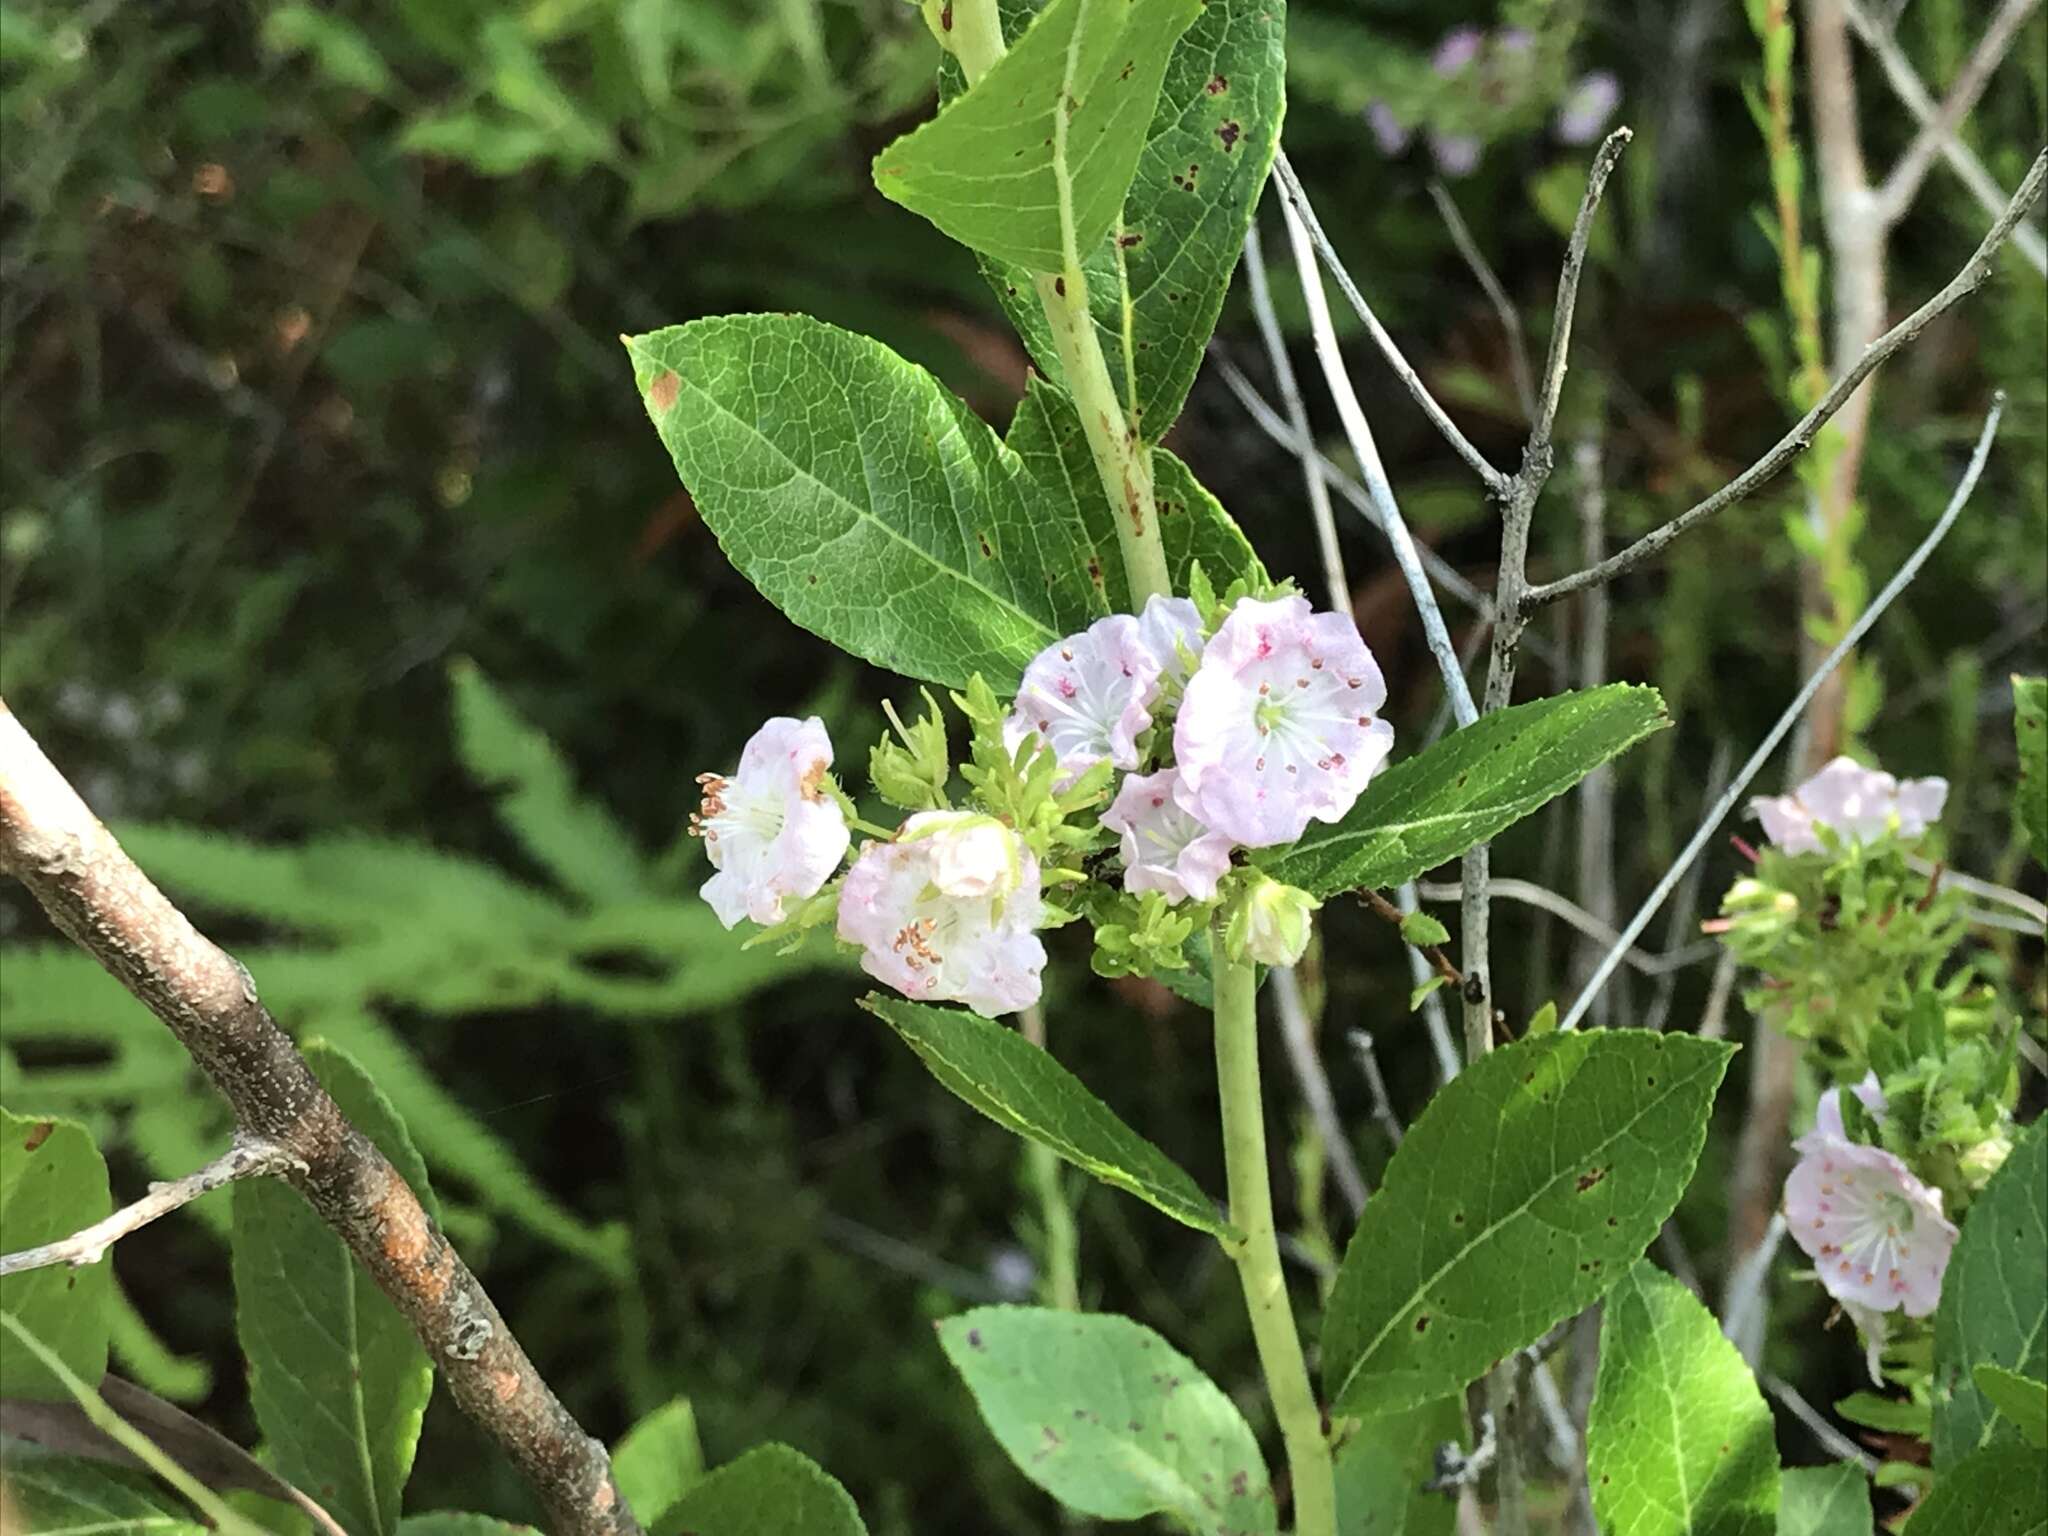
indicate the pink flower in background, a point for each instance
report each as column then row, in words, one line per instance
column 1088, row 696
column 1456, row 50
column 1279, row 726
column 1455, row 154
column 1164, row 848
column 1169, row 626
column 1876, row 1234
column 1858, row 803
column 937, row 947
column 772, row 829
column 1584, row 113
column 1388, row 131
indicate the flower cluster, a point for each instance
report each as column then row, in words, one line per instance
column 1859, row 957
column 1232, row 728
column 1480, row 85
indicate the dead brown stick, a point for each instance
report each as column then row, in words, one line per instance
column 97, row 897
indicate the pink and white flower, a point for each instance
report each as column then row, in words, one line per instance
column 1876, row 1234
column 1279, row 725
column 1858, row 803
column 1171, row 627
column 772, row 828
column 941, row 946
column 1089, row 697
column 1164, row 848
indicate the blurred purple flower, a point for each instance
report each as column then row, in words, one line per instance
column 1586, row 110
column 1456, row 154
column 1387, row 129
column 1458, row 48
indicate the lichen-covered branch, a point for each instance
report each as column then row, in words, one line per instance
column 97, row 897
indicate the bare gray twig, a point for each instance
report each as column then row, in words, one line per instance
column 1489, row 283
column 248, row 1158
column 1795, row 442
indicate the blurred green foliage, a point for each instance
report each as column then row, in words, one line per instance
column 308, row 385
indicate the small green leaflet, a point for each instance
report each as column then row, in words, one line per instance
column 53, row 1182
column 1522, row 1193
column 337, row 1381
column 56, row 1495
column 770, row 1491
column 1110, row 1419
column 2001, row 1490
column 2030, row 728
column 1679, row 1442
column 1994, row 1308
column 1467, row 788
column 449, row 1523
column 1157, row 281
column 1022, row 1089
column 2020, row 1398
column 863, row 499
column 1034, row 161
column 1824, row 1501
column 659, row 1460
column 1382, row 1468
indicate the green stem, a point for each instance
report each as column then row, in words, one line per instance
column 1062, row 1283
column 1122, row 462
column 1258, row 1255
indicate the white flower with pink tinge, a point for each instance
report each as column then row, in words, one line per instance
column 1164, row 848
column 772, row 829
column 1876, row 1234
column 1858, row 803
column 1170, row 626
column 973, row 943
column 1280, row 725
column 1088, row 697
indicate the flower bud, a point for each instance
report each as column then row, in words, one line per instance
column 1270, row 923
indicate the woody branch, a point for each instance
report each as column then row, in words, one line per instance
column 97, row 896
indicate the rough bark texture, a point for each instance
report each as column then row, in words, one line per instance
column 96, row 896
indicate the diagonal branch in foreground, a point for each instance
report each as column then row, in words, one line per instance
column 1795, row 442
column 248, row 1158
column 97, row 897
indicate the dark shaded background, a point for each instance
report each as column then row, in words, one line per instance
column 310, row 387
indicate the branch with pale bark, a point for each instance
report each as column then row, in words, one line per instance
column 97, row 896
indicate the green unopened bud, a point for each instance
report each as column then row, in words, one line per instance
column 911, row 770
column 1985, row 1159
column 1270, row 922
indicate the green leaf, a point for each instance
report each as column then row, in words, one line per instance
column 576, row 840
column 343, row 53
column 2020, row 1398
column 1382, row 1468
column 53, row 1182
column 1034, row 161
column 1522, row 1192
column 2030, row 728
column 770, row 1491
column 1679, row 1442
column 1824, row 1501
column 2001, row 1490
column 450, row 1523
column 1045, row 433
column 1422, row 930
column 1994, row 1308
column 1165, row 270
column 337, row 1381
column 68, row 1496
column 865, row 501
column 1022, row 1089
column 659, row 1460
column 1893, row 1415
column 1110, row 1419
column 1468, row 788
